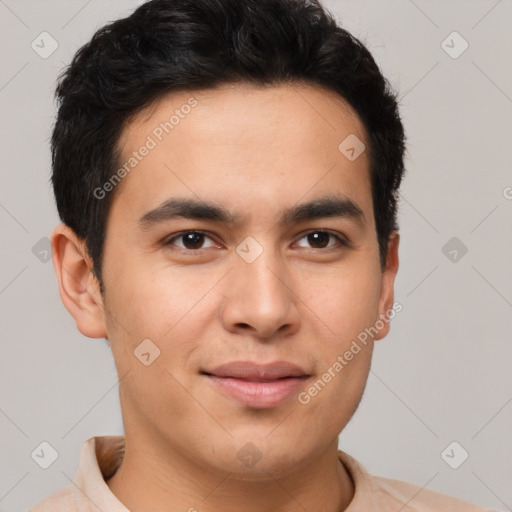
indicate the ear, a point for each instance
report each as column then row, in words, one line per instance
column 387, row 293
column 78, row 287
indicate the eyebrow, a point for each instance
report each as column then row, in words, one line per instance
column 323, row 207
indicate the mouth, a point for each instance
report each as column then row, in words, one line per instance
column 255, row 385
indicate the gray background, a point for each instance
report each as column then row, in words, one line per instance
column 443, row 373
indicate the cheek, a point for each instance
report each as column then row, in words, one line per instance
column 151, row 301
column 346, row 301
column 348, row 306
column 168, row 306
column 165, row 307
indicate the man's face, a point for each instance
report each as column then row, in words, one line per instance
column 256, row 290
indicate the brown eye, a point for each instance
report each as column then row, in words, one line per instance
column 190, row 240
column 320, row 239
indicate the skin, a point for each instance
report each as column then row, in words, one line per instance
column 256, row 151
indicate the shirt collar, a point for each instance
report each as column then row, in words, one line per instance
column 100, row 457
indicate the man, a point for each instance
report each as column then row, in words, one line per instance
column 227, row 176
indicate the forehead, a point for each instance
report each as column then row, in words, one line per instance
column 237, row 140
column 274, row 106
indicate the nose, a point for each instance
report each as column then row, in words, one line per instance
column 260, row 298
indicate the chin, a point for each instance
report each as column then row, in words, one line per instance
column 266, row 468
column 256, row 454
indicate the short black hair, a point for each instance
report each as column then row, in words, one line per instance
column 172, row 45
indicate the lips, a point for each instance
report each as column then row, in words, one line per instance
column 255, row 385
column 258, row 372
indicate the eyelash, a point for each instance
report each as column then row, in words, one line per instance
column 343, row 242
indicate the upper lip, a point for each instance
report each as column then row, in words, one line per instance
column 250, row 370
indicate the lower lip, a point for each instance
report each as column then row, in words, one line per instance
column 259, row 395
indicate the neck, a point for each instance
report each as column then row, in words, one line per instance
column 162, row 480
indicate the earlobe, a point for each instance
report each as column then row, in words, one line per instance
column 387, row 294
column 78, row 288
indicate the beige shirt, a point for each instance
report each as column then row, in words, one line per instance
column 101, row 456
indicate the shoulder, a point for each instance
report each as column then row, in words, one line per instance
column 389, row 495
column 62, row 500
column 415, row 498
column 100, row 456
